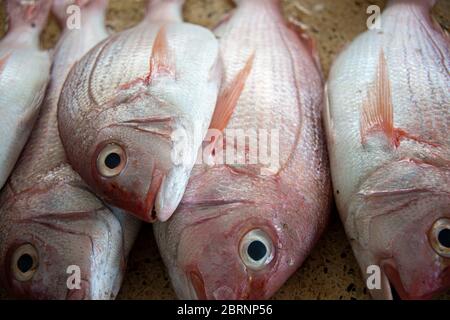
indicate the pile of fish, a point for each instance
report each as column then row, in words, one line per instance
column 229, row 141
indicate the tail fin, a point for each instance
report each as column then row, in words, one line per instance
column 29, row 14
column 165, row 10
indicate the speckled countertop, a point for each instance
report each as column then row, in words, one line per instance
column 331, row 271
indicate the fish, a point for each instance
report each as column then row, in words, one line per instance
column 57, row 239
column 24, row 74
column 133, row 113
column 244, row 226
column 387, row 124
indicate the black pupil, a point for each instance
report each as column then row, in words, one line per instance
column 444, row 237
column 25, row 263
column 112, row 161
column 256, row 250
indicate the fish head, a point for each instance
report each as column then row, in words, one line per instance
column 408, row 234
column 420, row 265
column 134, row 157
column 240, row 251
column 58, row 242
column 133, row 138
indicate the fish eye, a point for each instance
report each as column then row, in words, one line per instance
column 256, row 249
column 24, row 263
column 444, row 237
column 440, row 237
column 111, row 160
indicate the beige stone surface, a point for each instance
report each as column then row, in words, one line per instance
column 331, row 271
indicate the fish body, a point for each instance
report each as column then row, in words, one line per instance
column 24, row 73
column 388, row 124
column 243, row 228
column 57, row 239
column 136, row 110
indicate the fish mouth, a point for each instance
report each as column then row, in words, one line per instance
column 398, row 291
column 237, row 285
column 196, row 286
column 150, row 213
column 197, row 289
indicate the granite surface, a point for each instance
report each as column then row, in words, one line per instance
column 331, row 271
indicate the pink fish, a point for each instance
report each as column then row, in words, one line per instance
column 135, row 110
column 57, row 239
column 24, row 73
column 388, row 124
column 243, row 228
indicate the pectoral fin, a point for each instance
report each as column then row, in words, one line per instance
column 377, row 110
column 377, row 113
column 229, row 97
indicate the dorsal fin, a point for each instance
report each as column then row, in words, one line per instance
column 160, row 59
column 227, row 101
column 377, row 111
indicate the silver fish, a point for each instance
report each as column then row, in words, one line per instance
column 135, row 110
column 243, row 228
column 57, row 239
column 388, row 124
column 24, row 73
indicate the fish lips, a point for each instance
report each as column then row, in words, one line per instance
column 198, row 291
column 128, row 200
column 251, row 287
column 422, row 290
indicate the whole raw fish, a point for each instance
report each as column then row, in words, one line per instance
column 243, row 228
column 57, row 239
column 135, row 110
column 24, row 73
column 388, row 124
